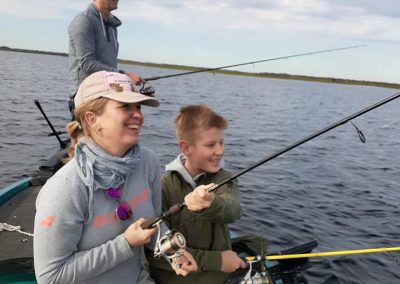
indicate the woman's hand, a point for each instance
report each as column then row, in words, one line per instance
column 184, row 264
column 230, row 261
column 136, row 236
column 200, row 198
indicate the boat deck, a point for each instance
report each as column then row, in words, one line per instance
column 16, row 253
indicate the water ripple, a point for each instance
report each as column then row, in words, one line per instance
column 334, row 189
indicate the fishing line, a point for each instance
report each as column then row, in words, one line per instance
column 377, row 128
column 359, row 133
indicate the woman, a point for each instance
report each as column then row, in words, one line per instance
column 85, row 228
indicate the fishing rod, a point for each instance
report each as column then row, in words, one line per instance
column 256, row 277
column 179, row 206
column 321, row 254
column 252, row 62
column 55, row 133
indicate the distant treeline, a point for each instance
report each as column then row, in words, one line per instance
column 229, row 72
column 6, row 48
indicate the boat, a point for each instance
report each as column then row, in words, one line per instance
column 17, row 212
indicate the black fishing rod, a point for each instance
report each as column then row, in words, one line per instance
column 55, row 133
column 179, row 206
column 252, row 62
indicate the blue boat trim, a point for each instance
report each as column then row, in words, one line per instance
column 23, row 278
column 13, row 189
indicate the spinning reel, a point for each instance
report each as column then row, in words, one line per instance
column 258, row 278
column 147, row 90
column 169, row 245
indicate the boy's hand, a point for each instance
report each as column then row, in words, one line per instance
column 136, row 236
column 199, row 198
column 184, row 264
column 230, row 261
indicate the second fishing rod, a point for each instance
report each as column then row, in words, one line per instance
column 179, row 206
column 148, row 90
column 201, row 70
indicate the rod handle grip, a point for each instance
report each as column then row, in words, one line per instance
column 171, row 211
column 148, row 224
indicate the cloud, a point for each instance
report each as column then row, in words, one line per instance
column 344, row 19
column 384, row 8
column 46, row 9
column 328, row 18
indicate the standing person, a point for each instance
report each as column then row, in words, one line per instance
column 199, row 132
column 93, row 44
column 88, row 215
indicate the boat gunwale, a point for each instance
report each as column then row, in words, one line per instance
column 13, row 189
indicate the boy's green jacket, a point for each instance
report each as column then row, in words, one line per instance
column 207, row 235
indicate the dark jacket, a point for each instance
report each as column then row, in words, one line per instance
column 208, row 234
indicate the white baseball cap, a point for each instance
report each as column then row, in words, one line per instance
column 112, row 85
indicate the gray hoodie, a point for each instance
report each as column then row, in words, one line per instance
column 177, row 166
column 70, row 248
column 93, row 45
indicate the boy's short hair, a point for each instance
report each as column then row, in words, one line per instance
column 193, row 118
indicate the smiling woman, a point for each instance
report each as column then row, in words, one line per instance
column 117, row 128
column 87, row 224
column 113, row 124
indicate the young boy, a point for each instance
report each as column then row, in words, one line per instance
column 203, row 222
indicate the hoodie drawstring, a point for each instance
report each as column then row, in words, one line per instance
column 102, row 24
column 106, row 34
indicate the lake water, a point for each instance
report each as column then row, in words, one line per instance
column 334, row 189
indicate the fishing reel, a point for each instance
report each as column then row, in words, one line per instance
column 258, row 278
column 147, row 90
column 169, row 245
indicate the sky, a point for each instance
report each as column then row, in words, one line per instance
column 212, row 33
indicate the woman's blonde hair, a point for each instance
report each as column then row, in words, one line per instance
column 79, row 127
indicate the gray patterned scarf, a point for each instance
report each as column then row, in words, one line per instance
column 99, row 170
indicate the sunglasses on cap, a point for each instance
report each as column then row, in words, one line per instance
column 124, row 210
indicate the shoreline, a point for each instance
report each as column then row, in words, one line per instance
column 282, row 76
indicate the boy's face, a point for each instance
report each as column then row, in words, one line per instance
column 206, row 152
